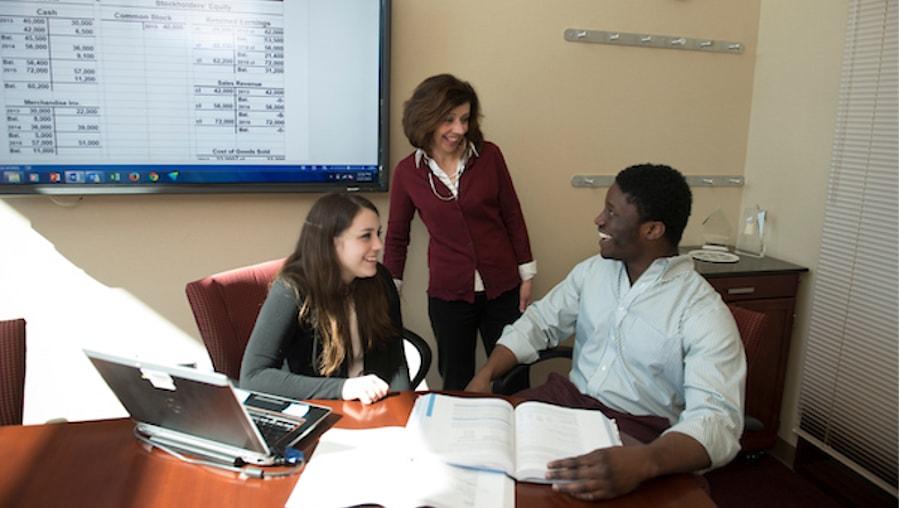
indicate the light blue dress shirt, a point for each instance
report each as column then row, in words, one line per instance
column 666, row 346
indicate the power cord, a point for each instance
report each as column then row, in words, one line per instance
column 292, row 456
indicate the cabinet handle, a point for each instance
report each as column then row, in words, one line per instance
column 742, row 291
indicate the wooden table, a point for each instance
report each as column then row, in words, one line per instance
column 100, row 463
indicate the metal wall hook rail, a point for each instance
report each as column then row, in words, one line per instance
column 595, row 181
column 652, row 41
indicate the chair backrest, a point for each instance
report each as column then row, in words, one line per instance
column 12, row 371
column 752, row 327
column 226, row 304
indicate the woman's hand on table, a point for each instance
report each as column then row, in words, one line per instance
column 368, row 389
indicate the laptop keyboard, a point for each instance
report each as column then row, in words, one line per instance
column 273, row 429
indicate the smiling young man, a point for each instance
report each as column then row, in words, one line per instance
column 655, row 346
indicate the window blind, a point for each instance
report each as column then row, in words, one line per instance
column 848, row 398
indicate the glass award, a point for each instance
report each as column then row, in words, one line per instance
column 751, row 233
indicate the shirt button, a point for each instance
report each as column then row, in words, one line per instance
column 603, row 368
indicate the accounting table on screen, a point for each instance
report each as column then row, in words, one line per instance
column 97, row 81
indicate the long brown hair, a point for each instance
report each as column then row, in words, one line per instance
column 431, row 101
column 314, row 272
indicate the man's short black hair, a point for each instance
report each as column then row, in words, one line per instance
column 660, row 193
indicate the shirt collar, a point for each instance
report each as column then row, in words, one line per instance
column 674, row 266
column 664, row 269
column 471, row 151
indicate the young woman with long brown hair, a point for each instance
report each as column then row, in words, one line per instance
column 331, row 326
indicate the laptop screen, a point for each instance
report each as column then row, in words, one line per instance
column 185, row 400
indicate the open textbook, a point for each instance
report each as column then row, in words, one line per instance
column 490, row 434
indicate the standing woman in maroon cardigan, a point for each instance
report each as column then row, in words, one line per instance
column 479, row 257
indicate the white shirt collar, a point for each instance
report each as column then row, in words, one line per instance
column 674, row 266
column 470, row 152
column 663, row 269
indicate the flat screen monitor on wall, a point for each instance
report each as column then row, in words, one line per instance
column 143, row 96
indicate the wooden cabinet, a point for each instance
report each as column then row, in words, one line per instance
column 769, row 286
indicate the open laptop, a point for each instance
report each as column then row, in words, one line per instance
column 201, row 413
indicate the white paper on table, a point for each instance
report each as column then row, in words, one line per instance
column 352, row 467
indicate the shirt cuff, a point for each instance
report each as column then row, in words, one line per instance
column 717, row 435
column 528, row 270
column 523, row 351
column 398, row 283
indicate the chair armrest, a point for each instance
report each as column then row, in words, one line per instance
column 752, row 424
column 518, row 377
column 557, row 352
column 424, row 356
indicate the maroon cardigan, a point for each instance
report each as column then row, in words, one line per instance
column 483, row 229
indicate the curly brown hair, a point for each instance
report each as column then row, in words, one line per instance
column 430, row 103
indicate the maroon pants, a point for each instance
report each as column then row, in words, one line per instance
column 560, row 391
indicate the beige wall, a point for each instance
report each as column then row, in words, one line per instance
column 558, row 109
column 795, row 91
column 109, row 272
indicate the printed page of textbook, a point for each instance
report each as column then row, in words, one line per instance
column 545, row 432
column 470, row 432
column 489, row 434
